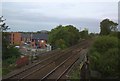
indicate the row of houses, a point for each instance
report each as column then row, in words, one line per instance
column 34, row 40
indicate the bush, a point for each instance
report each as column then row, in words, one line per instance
column 103, row 43
column 109, row 63
column 95, row 58
column 5, row 71
column 104, row 56
column 9, row 57
column 11, row 52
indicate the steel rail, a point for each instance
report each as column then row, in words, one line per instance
column 55, row 68
column 67, row 69
column 42, row 67
column 26, row 69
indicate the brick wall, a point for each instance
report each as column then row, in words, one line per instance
column 15, row 38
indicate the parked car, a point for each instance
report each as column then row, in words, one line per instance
column 17, row 46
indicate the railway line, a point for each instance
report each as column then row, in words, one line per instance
column 53, row 67
column 81, row 59
column 60, row 69
column 37, row 65
column 31, row 67
column 45, row 68
column 41, row 68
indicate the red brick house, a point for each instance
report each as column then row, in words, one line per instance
column 36, row 40
column 39, row 40
column 15, row 38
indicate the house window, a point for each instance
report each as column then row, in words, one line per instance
column 32, row 40
column 13, row 35
column 21, row 38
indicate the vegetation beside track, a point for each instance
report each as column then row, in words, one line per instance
column 104, row 54
column 75, row 73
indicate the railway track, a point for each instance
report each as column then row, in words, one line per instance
column 80, row 60
column 46, row 66
column 51, row 54
column 39, row 65
column 60, row 71
column 46, row 70
column 43, row 69
column 57, row 72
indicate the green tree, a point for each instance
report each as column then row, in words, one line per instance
column 60, row 43
column 104, row 56
column 5, row 42
column 8, row 51
column 84, row 34
column 107, row 26
column 64, row 36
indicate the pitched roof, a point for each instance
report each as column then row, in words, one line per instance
column 43, row 36
column 25, row 35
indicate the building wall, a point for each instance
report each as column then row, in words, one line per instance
column 33, row 44
column 25, row 40
column 42, row 43
column 15, row 38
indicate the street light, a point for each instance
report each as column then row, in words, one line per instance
column 42, row 41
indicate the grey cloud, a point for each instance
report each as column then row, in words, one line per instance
column 46, row 22
column 51, row 22
column 20, row 16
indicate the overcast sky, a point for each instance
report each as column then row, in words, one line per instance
column 35, row 15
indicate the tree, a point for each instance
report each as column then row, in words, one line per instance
column 5, row 42
column 107, row 26
column 64, row 36
column 8, row 51
column 84, row 33
column 3, row 26
column 104, row 56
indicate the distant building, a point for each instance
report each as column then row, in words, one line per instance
column 35, row 40
column 26, row 38
column 15, row 38
column 39, row 40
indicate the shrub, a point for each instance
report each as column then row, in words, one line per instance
column 103, row 43
column 104, row 56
